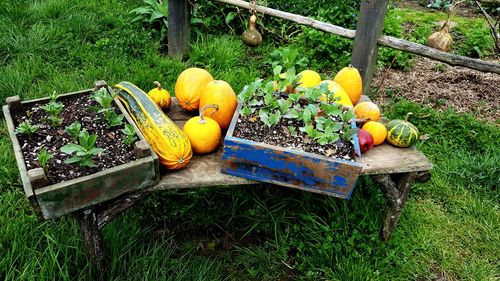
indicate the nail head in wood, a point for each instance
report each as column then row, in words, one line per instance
column 141, row 149
column 100, row 84
column 37, row 178
column 14, row 103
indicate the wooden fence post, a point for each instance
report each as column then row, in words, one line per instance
column 370, row 25
column 179, row 31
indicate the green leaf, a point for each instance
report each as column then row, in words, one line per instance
column 275, row 118
column 295, row 97
column 73, row 159
column 276, row 72
column 291, row 114
column 264, row 117
column 96, row 150
column 230, row 17
column 71, row 148
column 292, row 130
column 306, row 116
column 245, row 111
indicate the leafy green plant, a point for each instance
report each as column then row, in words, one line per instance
column 74, row 130
column 152, row 12
column 105, row 100
column 43, row 158
column 288, row 57
column 84, row 150
column 130, row 135
column 53, row 108
column 322, row 120
column 26, row 128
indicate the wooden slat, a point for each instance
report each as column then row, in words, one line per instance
column 65, row 197
column 387, row 159
column 202, row 171
column 179, row 27
column 369, row 26
column 21, row 165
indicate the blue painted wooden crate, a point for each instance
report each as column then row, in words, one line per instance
column 292, row 168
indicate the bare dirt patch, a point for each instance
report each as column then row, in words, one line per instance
column 441, row 86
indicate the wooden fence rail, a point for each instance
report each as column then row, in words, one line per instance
column 388, row 41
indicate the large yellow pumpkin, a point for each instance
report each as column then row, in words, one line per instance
column 350, row 79
column 220, row 93
column 339, row 94
column 189, row 86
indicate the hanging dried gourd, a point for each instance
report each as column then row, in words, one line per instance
column 442, row 39
column 251, row 36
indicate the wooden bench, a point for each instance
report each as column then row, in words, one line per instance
column 394, row 169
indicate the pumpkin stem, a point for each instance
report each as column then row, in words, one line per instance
column 408, row 116
column 214, row 106
column 157, row 84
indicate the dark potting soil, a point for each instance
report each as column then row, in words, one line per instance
column 251, row 128
column 76, row 108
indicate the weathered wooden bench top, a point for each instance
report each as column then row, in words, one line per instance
column 204, row 170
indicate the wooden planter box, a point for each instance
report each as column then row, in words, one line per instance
column 292, row 168
column 55, row 200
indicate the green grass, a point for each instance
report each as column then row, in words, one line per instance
column 450, row 226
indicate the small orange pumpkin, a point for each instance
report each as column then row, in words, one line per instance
column 367, row 111
column 203, row 132
column 189, row 86
column 377, row 130
column 220, row 93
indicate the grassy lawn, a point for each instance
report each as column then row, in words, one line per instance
column 450, row 228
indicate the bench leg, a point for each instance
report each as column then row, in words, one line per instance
column 93, row 239
column 396, row 189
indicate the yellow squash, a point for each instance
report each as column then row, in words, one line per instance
column 166, row 139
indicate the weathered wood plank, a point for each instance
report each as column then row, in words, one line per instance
column 179, row 27
column 65, row 197
column 18, row 153
column 262, row 162
column 93, row 240
column 387, row 159
column 202, row 171
column 396, row 189
column 369, row 27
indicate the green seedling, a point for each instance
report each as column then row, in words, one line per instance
column 74, row 130
column 26, row 128
column 130, row 135
column 105, row 100
column 84, row 151
column 53, row 108
column 43, row 158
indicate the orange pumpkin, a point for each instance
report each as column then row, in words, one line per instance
column 377, row 130
column 220, row 93
column 189, row 86
column 203, row 132
column 367, row 111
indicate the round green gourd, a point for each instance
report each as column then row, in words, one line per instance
column 402, row 133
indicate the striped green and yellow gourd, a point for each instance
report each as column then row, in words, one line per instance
column 166, row 139
column 402, row 133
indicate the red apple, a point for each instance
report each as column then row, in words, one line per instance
column 365, row 140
